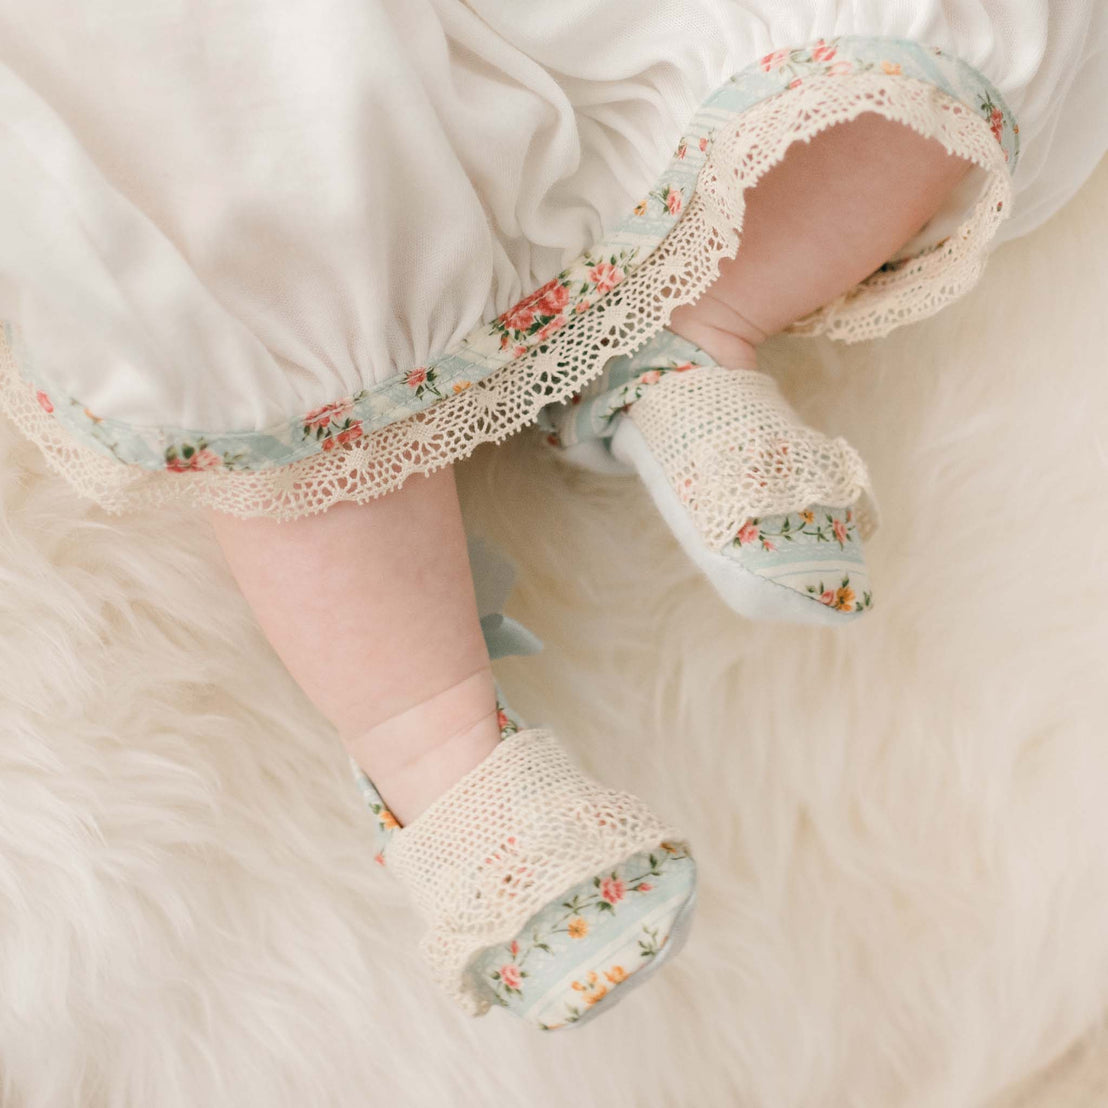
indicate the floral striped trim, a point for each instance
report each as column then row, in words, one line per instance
column 583, row 948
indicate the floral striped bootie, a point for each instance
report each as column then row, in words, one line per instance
column 543, row 892
column 773, row 512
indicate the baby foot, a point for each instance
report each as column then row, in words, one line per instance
column 544, row 893
column 773, row 512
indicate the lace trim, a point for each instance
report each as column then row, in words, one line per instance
column 677, row 272
column 506, row 840
column 732, row 450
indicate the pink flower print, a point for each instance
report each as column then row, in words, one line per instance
column 838, row 69
column 511, row 976
column 501, row 722
column 518, row 319
column 548, row 300
column 996, row 123
column 44, row 402
column 551, row 327
column 583, row 306
column 651, row 377
column 196, row 461
column 521, row 349
column 748, row 533
column 822, row 52
column 703, row 144
column 514, row 948
column 321, row 417
column 796, row 82
column 684, row 367
column 827, row 597
column 839, row 527
column 605, row 276
column 674, row 201
column 416, row 377
column 206, row 459
column 612, row 889
column 344, row 437
column 379, row 858
column 354, row 431
column 555, row 296
column 774, row 59
column 683, row 149
column 767, row 546
column 645, row 887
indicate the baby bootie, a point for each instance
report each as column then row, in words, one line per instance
column 542, row 891
column 773, row 512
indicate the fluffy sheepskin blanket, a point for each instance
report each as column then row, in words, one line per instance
column 901, row 826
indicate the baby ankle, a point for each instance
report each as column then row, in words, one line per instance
column 733, row 345
column 417, row 755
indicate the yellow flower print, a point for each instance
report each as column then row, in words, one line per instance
column 461, row 386
column 640, row 208
column 844, row 599
column 891, row 68
column 388, row 821
column 616, row 975
column 593, row 989
column 577, row 928
column 808, row 517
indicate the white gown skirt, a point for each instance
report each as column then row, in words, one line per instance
column 269, row 255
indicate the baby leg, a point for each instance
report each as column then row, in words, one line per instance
column 773, row 512
column 829, row 214
column 371, row 608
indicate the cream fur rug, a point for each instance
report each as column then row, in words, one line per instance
column 901, row 827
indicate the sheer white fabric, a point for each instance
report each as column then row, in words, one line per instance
column 226, row 218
